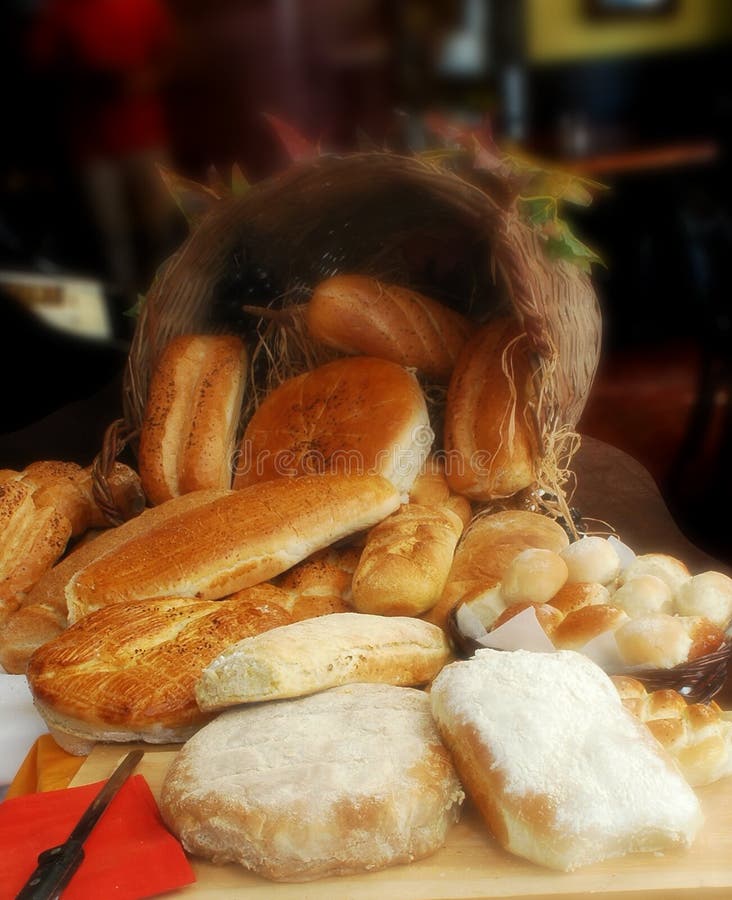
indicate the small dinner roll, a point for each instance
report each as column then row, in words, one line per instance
column 534, row 576
column 591, row 559
column 708, row 594
column 667, row 568
column 578, row 594
column 706, row 637
column 644, row 594
column 657, row 640
column 583, row 625
column 547, row 616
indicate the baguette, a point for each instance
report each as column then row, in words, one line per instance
column 191, row 417
column 489, row 434
column 406, row 561
column 238, row 540
column 316, row 654
column 356, row 314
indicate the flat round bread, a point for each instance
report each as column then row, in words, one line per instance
column 347, row 780
column 356, row 415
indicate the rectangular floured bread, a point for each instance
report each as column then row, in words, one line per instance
column 236, row 541
column 562, row 773
column 315, row 654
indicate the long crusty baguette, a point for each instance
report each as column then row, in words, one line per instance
column 43, row 612
column 316, row 654
column 128, row 673
column 191, row 416
column 360, row 315
column 406, row 561
column 236, row 541
column 490, row 438
column 562, row 773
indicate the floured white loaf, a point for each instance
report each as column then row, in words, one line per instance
column 315, row 654
column 562, row 773
column 235, row 541
column 349, row 780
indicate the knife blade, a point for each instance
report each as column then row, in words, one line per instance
column 56, row 865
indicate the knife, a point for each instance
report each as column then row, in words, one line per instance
column 56, row 866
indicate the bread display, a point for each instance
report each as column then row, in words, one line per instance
column 324, row 652
column 591, row 560
column 537, row 738
column 192, row 414
column 405, row 561
column 235, row 541
column 486, row 549
column 431, row 489
column 708, row 594
column 356, row 314
column 490, row 436
column 665, row 641
column 128, row 673
column 357, row 414
column 349, row 780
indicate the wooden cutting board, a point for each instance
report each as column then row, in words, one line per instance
column 471, row 865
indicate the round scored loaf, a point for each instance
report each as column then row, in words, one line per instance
column 490, row 439
column 353, row 415
column 128, row 673
column 344, row 781
column 358, row 314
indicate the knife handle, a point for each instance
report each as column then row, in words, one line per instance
column 53, row 872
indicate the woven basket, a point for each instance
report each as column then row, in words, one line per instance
column 391, row 216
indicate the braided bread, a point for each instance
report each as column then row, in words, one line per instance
column 698, row 736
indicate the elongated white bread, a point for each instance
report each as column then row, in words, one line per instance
column 697, row 735
column 562, row 773
column 316, row 654
column 406, row 561
column 235, row 541
column 361, row 315
column 348, row 780
column 490, row 437
column 31, row 540
column 192, row 415
column 431, row 489
column 486, row 549
column 128, row 673
column 352, row 415
column 43, row 611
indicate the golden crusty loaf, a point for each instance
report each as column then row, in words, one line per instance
column 315, row 654
column 431, row 489
column 361, row 315
column 490, row 437
column 352, row 415
column 191, row 416
column 320, row 584
column 487, row 548
column 43, row 612
column 31, row 540
column 235, row 541
column 128, row 673
column 348, row 780
column 562, row 773
column 697, row 735
column 406, row 561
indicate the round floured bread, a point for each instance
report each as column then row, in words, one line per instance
column 348, row 780
column 127, row 672
column 354, row 415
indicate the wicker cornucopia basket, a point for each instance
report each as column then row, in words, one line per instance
column 398, row 218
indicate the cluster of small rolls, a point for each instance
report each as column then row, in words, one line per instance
column 660, row 615
column 697, row 735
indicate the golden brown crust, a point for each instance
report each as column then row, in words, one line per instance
column 352, row 415
column 321, row 584
column 431, row 489
column 490, row 440
column 360, row 315
column 243, row 538
column 134, row 668
column 192, row 411
column 582, row 625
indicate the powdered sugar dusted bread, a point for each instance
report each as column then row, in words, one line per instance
column 352, row 779
column 563, row 774
column 321, row 653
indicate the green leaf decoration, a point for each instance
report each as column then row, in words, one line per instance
column 134, row 311
column 193, row 199
column 560, row 243
column 239, row 184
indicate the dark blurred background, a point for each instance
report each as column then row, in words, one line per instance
column 633, row 93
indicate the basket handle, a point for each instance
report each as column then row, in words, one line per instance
column 116, row 438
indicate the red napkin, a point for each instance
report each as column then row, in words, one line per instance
column 129, row 855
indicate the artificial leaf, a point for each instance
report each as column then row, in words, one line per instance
column 193, row 199
column 134, row 311
column 298, row 147
column 239, row 183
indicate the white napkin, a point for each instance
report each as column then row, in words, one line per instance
column 20, row 724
